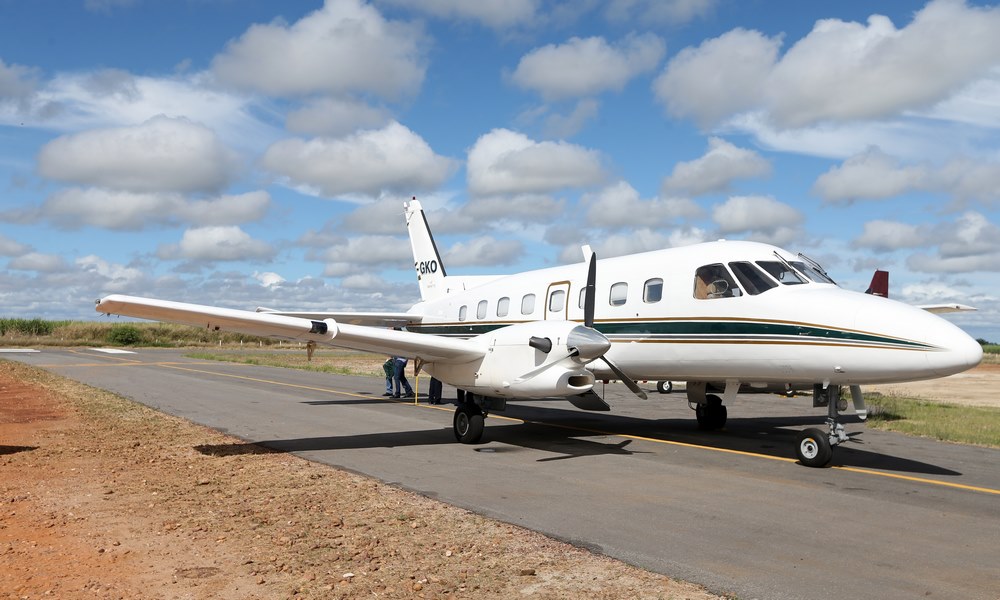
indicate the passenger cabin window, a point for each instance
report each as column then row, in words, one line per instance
column 528, row 304
column 652, row 291
column 557, row 300
column 481, row 310
column 583, row 297
column 503, row 306
column 780, row 271
column 619, row 294
column 751, row 278
column 714, row 281
column 463, row 312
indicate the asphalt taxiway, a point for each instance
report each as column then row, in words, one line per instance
column 894, row 517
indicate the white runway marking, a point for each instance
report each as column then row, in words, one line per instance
column 17, row 350
column 112, row 351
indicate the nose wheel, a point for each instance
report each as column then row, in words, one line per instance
column 812, row 448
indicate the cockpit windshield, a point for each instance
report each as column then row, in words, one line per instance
column 781, row 271
column 813, row 271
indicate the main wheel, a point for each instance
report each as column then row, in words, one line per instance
column 712, row 414
column 664, row 387
column 812, row 448
column 468, row 424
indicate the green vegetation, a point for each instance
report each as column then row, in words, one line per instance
column 338, row 362
column 948, row 422
column 30, row 332
column 28, row 327
column 124, row 335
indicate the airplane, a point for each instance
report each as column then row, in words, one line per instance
column 717, row 315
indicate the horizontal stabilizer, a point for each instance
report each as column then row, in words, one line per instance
column 946, row 308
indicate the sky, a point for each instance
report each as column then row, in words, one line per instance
column 243, row 153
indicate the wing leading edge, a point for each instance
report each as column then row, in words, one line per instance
column 281, row 326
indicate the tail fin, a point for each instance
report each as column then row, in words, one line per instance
column 879, row 285
column 426, row 258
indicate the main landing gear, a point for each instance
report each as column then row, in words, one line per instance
column 470, row 415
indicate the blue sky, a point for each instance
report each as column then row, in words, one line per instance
column 245, row 153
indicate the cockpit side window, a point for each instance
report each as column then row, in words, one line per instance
column 714, row 281
column 781, row 272
column 751, row 278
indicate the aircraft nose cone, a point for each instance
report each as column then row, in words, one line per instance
column 960, row 353
column 590, row 343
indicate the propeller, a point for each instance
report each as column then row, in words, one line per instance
column 586, row 342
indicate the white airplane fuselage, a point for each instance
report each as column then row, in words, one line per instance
column 798, row 332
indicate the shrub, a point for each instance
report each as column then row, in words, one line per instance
column 124, row 335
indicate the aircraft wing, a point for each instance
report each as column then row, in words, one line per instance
column 370, row 319
column 946, row 308
column 328, row 331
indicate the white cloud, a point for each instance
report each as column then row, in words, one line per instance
column 872, row 174
column 619, row 205
column 484, row 251
column 217, row 243
column 17, row 83
column 721, row 77
column 587, row 66
column 113, row 98
column 971, row 243
column 113, row 277
column 128, row 211
column 268, row 279
column 507, row 162
column 839, row 71
column 9, row 247
column 36, row 261
column 366, row 163
column 497, row 15
column 369, row 250
column 762, row 217
column 716, row 170
column 892, row 235
column 658, row 11
column 162, row 154
column 334, row 117
column 517, row 208
column 876, row 175
column 344, row 47
column 568, row 125
column 364, row 282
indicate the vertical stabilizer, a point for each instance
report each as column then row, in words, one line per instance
column 426, row 259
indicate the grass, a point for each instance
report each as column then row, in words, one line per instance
column 338, row 362
column 974, row 425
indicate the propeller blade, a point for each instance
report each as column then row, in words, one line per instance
column 545, row 367
column 590, row 291
column 629, row 383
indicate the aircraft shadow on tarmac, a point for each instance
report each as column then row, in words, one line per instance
column 569, row 434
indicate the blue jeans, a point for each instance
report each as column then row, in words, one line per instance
column 399, row 378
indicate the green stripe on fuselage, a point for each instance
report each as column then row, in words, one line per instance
column 710, row 329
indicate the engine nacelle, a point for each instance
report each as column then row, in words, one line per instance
column 513, row 368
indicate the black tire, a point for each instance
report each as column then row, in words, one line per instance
column 712, row 415
column 468, row 424
column 812, row 448
column 664, row 387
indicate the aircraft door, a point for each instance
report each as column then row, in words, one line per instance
column 556, row 301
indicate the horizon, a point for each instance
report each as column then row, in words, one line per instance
column 248, row 154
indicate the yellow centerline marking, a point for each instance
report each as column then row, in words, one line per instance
column 863, row 471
